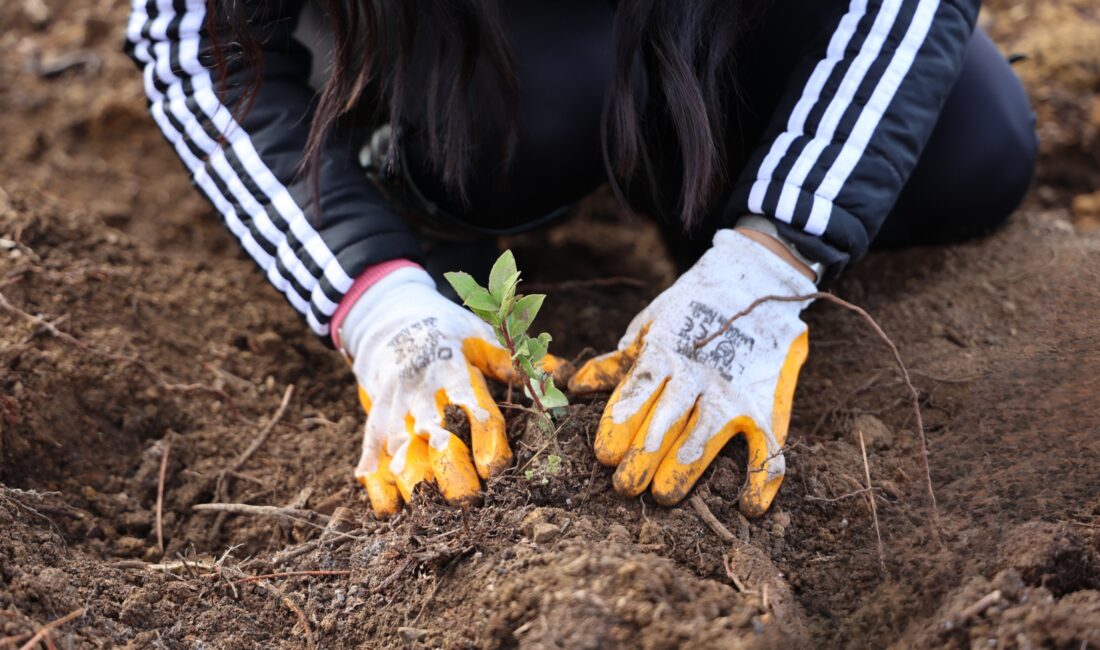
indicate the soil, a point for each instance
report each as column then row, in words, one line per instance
column 103, row 238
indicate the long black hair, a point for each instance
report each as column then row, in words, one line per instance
column 683, row 49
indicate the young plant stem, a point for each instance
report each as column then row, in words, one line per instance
column 519, row 371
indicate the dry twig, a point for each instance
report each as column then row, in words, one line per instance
column 292, row 606
column 10, row 641
column 221, row 487
column 733, row 576
column 710, row 520
column 871, row 499
column 982, row 604
column 261, row 437
column 289, row 574
column 975, row 609
column 846, row 495
column 175, row 565
column 310, row 516
column 160, row 497
column 45, row 631
column 914, row 395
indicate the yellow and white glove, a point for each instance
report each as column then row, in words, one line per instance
column 413, row 353
column 675, row 406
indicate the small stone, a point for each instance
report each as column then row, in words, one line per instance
column 576, row 567
column 618, row 533
column 330, row 504
column 268, row 342
column 891, row 489
column 140, row 521
column 341, row 521
column 544, row 532
column 650, row 533
column 126, row 546
column 1086, row 211
column 1064, row 227
column 782, row 518
column 412, row 633
column 875, row 432
column 534, row 518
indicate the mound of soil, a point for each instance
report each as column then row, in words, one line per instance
column 153, row 346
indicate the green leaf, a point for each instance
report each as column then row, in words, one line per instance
column 552, row 397
column 539, row 346
column 487, row 316
column 502, row 273
column 528, row 368
column 508, row 289
column 480, row 299
column 464, row 284
column 521, row 349
column 507, row 302
column 553, row 463
column 524, row 313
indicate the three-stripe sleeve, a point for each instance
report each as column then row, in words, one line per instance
column 247, row 163
column 853, row 120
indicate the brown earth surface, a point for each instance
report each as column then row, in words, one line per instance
column 180, row 346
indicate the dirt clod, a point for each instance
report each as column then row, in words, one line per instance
column 543, row 532
column 876, row 434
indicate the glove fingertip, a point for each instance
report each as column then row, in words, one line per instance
column 489, row 358
column 600, row 374
column 384, row 498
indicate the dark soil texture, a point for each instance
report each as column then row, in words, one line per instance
column 157, row 339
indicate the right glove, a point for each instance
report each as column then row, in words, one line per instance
column 677, row 403
column 414, row 353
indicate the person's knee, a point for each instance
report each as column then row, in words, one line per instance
column 990, row 137
column 1006, row 142
column 1009, row 166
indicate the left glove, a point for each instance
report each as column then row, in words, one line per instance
column 414, row 353
column 676, row 406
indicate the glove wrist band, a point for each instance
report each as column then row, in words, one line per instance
column 767, row 226
column 762, row 271
column 367, row 279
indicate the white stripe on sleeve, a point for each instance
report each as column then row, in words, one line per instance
column 158, row 65
column 871, row 115
column 869, row 52
column 811, row 92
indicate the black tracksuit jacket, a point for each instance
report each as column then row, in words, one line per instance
column 856, row 90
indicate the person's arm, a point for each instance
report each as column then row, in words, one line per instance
column 247, row 162
column 853, row 120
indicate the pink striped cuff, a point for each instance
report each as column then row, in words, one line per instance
column 365, row 281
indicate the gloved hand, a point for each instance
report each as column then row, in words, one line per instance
column 675, row 406
column 413, row 353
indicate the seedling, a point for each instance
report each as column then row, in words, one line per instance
column 550, row 467
column 510, row 314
